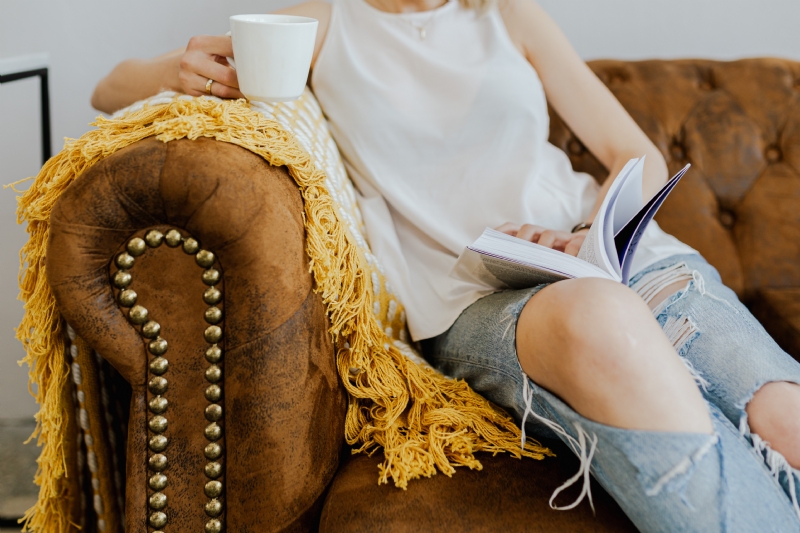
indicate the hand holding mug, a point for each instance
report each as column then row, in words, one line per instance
column 204, row 60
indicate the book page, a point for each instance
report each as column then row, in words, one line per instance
column 500, row 273
column 501, row 261
column 629, row 236
column 598, row 248
column 518, row 276
column 590, row 249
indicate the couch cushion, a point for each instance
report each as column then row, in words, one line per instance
column 779, row 311
column 507, row 495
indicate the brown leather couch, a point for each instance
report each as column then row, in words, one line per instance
column 284, row 464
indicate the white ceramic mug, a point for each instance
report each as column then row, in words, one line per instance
column 273, row 55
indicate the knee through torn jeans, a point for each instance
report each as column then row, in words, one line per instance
column 729, row 481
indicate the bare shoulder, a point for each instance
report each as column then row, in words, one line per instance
column 315, row 10
column 528, row 25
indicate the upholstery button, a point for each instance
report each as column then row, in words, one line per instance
column 575, row 147
column 677, row 152
column 727, row 219
column 773, row 154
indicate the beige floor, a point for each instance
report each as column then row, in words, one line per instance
column 17, row 468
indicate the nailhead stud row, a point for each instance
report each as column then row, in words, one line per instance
column 213, row 411
column 158, row 366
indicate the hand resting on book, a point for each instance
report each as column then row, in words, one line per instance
column 521, row 256
column 563, row 241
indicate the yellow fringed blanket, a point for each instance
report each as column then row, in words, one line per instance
column 422, row 420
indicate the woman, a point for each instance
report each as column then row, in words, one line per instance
column 439, row 110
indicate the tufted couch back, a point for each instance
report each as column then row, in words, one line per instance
column 738, row 124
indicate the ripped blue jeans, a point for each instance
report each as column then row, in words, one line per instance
column 729, row 481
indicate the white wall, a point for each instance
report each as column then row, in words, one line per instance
column 644, row 29
column 86, row 38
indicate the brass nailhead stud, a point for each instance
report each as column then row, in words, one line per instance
column 157, row 424
column 154, row 238
column 158, row 443
column 121, row 279
column 204, row 258
column 213, row 393
column 214, row 354
column 213, row 334
column 128, row 297
column 157, row 346
column 158, row 501
column 138, row 315
column 213, row 508
column 213, row 489
column 124, row 260
column 213, row 412
column 151, row 329
column 158, row 404
column 213, row 470
column 213, row 374
column 213, row 432
column 212, row 296
column 158, row 519
column 213, row 526
column 211, row 276
column 173, row 238
column 136, row 247
column 213, row 315
column 158, row 482
column 159, row 366
column 157, row 462
column 157, row 385
column 213, row 451
column 190, row 246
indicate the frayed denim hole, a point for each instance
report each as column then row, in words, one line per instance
column 682, row 331
column 786, row 475
column 649, row 285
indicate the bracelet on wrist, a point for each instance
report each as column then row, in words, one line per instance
column 580, row 226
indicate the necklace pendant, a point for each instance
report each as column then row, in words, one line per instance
column 422, row 34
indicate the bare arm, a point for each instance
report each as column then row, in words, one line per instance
column 585, row 104
column 188, row 69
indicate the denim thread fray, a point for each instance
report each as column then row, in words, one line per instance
column 578, row 446
column 774, row 460
column 680, row 330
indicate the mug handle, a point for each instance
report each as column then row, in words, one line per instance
column 231, row 62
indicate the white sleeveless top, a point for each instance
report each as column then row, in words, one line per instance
column 443, row 127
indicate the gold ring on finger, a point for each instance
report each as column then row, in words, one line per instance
column 208, row 85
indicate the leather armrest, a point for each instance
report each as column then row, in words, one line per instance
column 778, row 310
column 283, row 406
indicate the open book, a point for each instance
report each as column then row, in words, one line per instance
column 501, row 261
